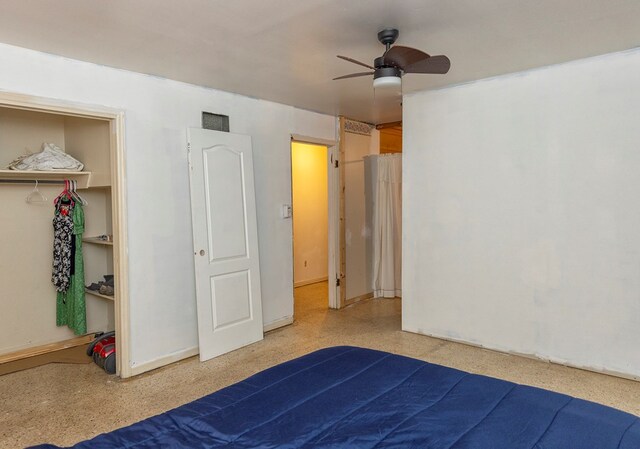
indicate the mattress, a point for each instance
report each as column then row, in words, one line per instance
column 347, row 397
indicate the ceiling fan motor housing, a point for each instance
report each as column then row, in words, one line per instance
column 382, row 69
column 382, row 72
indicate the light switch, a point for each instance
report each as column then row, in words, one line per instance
column 286, row 211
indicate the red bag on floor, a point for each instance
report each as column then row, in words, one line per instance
column 103, row 352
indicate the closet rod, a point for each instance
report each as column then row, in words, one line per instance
column 31, row 181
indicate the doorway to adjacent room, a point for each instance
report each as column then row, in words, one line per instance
column 310, row 204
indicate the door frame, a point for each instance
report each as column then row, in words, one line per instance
column 118, row 204
column 333, row 184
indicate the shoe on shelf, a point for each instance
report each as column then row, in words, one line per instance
column 105, row 287
column 106, row 290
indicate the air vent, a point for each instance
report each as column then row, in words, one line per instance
column 216, row 122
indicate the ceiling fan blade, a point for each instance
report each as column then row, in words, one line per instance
column 353, row 75
column 356, row 62
column 435, row 64
column 402, row 57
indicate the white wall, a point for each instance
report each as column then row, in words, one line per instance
column 158, row 111
column 521, row 213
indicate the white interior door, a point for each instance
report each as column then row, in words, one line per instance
column 225, row 239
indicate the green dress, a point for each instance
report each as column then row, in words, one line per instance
column 71, row 309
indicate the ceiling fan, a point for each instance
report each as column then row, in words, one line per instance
column 396, row 61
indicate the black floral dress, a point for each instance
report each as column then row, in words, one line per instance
column 62, row 250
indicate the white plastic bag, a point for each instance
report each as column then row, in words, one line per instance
column 52, row 157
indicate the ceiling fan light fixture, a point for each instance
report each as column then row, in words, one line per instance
column 388, row 78
column 388, row 82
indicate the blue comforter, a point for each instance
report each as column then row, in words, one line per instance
column 346, row 397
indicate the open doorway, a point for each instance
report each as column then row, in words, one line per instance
column 346, row 245
column 370, row 215
column 310, row 201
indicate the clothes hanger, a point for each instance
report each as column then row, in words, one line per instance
column 64, row 197
column 75, row 186
column 75, row 194
column 36, row 197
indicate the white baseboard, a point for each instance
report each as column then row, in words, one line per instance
column 164, row 360
column 278, row 323
column 555, row 361
column 310, row 281
column 190, row 352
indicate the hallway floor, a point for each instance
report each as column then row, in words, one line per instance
column 63, row 404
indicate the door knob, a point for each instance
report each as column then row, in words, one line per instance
column 202, row 252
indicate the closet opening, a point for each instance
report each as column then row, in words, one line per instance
column 49, row 315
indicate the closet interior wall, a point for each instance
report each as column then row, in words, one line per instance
column 27, row 297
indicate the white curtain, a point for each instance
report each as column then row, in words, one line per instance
column 387, row 227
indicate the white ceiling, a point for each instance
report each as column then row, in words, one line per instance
column 285, row 50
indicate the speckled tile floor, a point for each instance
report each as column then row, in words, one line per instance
column 63, row 404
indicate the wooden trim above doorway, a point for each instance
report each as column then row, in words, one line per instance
column 312, row 140
column 389, row 125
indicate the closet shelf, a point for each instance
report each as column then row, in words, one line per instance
column 98, row 295
column 82, row 177
column 97, row 241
